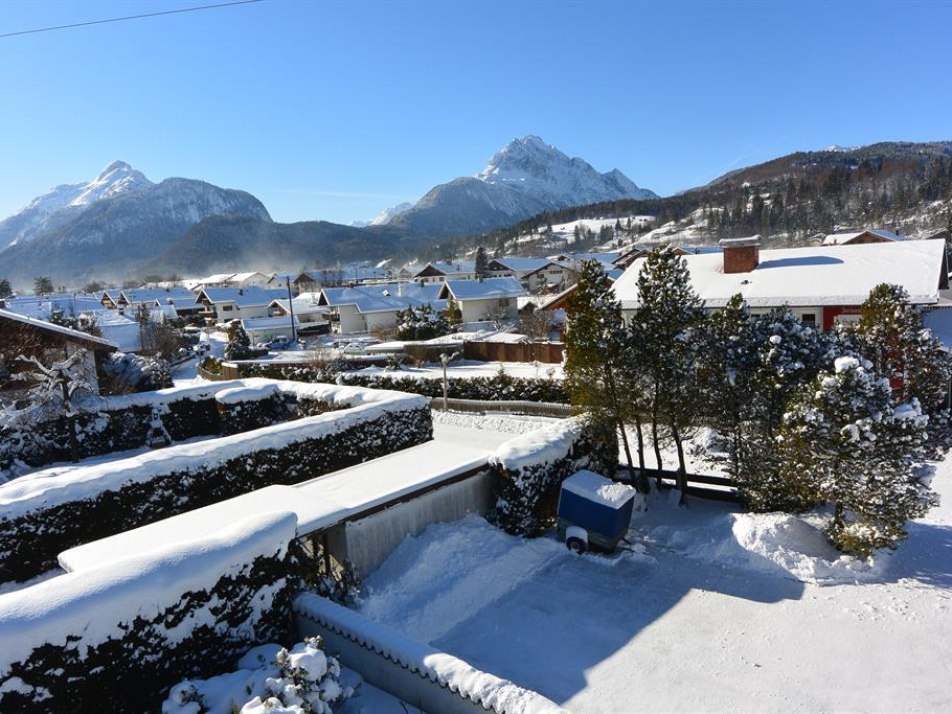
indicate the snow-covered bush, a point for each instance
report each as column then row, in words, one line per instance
column 532, row 468
column 843, row 443
column 125, row 373
column 304, row 680
column 421, row 323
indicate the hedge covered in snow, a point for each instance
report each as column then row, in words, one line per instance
column 116, row 638
column 499, row 387
column 533, row 466
column 46, row 512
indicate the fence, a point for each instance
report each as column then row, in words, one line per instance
column 481, row 406
column 546, row 352
column 717, row 488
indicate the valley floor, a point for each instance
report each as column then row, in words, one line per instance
column 710, row 609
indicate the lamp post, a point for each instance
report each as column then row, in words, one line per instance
column 287, row 279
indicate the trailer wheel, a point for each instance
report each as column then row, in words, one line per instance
column 576, row 545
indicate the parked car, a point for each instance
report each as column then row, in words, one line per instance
column 354, row 348
column 279, row 342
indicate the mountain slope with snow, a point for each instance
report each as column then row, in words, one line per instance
column 526, row 177
column 112, row 225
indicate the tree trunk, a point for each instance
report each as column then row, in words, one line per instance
column 682, row 477
column 657, row 451
column 642, row 484
column 70, row 424
column 620, row 423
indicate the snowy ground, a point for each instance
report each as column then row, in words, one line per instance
column 712, row 610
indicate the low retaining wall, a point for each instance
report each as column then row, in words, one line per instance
column 412, row 671
column 118, row 637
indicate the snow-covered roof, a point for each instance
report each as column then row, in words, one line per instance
column 455, row 267
column 386, row 297
column 844, row 238
column 304, row 304
column 814, row 276
column 163, row 295
column 579, row 257
column 939, row 321
column 97, row 343
column 482, row 289
column 522, row 265
column 269, row 323
column 244, row 297
column 241, row 277
column 216, row 278
column 42, row 306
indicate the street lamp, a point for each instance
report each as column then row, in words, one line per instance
column 287, row 279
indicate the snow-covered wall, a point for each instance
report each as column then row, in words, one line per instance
column 415, row 672
column 118, row 636
column 50, row 511
column 533, row 466
column 367, row 542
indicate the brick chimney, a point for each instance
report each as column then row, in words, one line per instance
column 741, row 255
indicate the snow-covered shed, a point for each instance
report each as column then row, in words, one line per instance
column 823, row 285
column 22, row 335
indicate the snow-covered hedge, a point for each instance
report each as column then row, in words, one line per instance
column 44, row 513
column 459, row 685
column 117, row 637
column 499, row 387
column 533, row 466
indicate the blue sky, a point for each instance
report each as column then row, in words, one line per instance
column 333, row 110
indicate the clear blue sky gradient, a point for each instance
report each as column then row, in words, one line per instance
column 333, row 110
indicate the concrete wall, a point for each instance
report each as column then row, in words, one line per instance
column 367, row 542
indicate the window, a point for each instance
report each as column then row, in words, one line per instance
column 808, row 318
column 227, row 308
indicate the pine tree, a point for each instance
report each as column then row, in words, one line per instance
column 844, row 443
column 5, row 288
column 668, row 319
column 239, row 344
column 482, row 264
column 42, row 285
column 595, row 352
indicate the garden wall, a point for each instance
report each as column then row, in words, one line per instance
column 44, row 513
column 118, row 637
column 418, row 674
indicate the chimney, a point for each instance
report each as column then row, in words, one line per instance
column 741, row 255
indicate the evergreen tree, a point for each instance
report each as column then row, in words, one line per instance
column 453, row 313
column 239, row 344
column 595, row 352
column 482, row 264
column 843, row 442
column 890, row 335
column 666, row 324
column 42, row 285
column 5, row 289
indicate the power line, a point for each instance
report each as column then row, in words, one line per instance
column 129, row 17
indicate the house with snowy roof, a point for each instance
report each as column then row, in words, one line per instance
column 32, row 337
column 448, row 270
column 309, row 314
column 823, row 285
column 491, row 298
column 225, row 304
column 362, row 308
column 253, row 279
column 872, row 235
column 172, row 302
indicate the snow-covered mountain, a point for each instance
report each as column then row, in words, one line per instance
column 389, row 213
column 65, row 202
column 112, row 225
column 526, row 177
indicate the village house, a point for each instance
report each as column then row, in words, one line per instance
column 489, row 299
column 226, row 304
column 364, row 308
column 309, row 314
column 822, row 285
column 172, row 302
column 441, row 271
column 872, row 235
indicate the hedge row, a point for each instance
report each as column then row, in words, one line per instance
column 499, row 387
column 112, row 653
column 30, row 543
column 533, row 467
